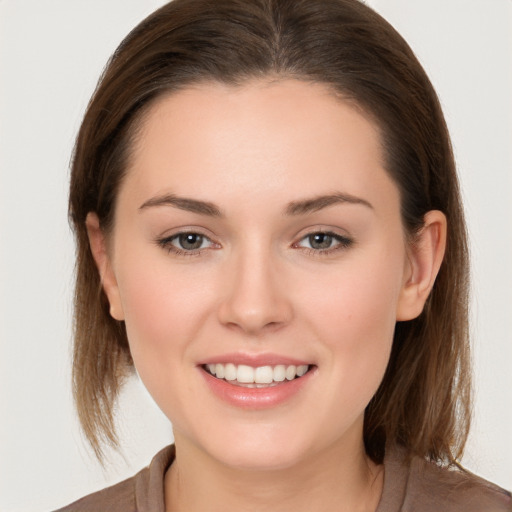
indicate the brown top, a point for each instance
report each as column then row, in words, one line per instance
column 418, row 486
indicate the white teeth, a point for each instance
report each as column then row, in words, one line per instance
column 291, row 371
column 302, row 369
column 230, row 371
column 280, row 373
column 261, row 375
column 219, row 371
column 244, row 374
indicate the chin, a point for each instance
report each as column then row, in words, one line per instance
column 255, row 459
column 267, row 449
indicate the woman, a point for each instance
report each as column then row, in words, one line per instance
column 270, row 231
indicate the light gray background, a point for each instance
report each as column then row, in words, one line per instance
column 51, row 54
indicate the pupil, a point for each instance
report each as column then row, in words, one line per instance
column 320, row 241
column 190, row 241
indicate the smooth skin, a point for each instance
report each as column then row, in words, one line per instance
column 221, row 245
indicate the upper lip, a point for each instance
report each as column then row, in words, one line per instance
column 254, row 360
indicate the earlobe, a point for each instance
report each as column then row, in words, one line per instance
column 98, row 244
column 425, row 256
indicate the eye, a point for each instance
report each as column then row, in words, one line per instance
column 324, row 242
column 189, row 241
column 186, row 243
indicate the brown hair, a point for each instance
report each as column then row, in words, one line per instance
column 423, row 402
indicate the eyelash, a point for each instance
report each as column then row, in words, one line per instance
column 343, row 243
column 167, row 244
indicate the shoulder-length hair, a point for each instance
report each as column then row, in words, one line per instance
column 423, row 402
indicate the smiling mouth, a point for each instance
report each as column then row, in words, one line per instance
column 259, row 377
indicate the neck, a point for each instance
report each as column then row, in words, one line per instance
column 338, row 480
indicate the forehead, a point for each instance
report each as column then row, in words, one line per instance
column 210, row 107
column 286, row 135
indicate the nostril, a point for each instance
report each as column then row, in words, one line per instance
column 254, row 299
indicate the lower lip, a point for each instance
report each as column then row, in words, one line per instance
column 256, row 398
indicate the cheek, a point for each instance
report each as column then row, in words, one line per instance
column 356, row 304
column 162, row 315
column 160, row 321
column 353, row 313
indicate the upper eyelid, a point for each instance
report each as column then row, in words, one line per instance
column 331, row 230
column 174, row 236
column 340, row 238
column 183, row 230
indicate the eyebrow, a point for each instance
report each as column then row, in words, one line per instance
column 318, row 203
column 294, row 208
column 184, row 203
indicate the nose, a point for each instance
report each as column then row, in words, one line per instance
column 255, row 298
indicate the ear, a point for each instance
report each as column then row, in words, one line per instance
column 98, row 244
column 425, row 255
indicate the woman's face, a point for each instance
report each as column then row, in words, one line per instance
column 258, row 236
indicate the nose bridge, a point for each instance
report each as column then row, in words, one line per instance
column 255, row 297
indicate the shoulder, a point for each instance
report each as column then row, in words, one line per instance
column 144, row 491
column 119, row 497
column 429, row 487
